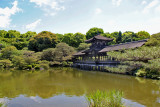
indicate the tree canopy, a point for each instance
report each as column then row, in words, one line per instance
column 94, row 32
column 42, row 41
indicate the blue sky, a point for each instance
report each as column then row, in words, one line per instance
column 65, row 16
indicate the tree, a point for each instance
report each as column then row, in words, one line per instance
column 28, row 35
column 63, row 52
column 67, row 38
column 19, row 45
column 18, row 61
column 6, row 63
column 77, row 39
column 83, row 46
column 117, row 36
column 94, row 32
column 60, row 37
column 12, row 34
column 108, row 35
column 48, row 54
column 143, row 35
column 128, row 36
column 154, row 40
column 3, row 33
column 9, row 52
column 42, row 41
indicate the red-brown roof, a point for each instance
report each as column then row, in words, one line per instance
column 99, row 37
column 128, row 45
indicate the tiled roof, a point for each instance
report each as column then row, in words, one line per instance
column 99, row 37
column 128, row 45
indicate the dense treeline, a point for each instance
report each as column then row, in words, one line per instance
column 35, row 51
column 45, row 39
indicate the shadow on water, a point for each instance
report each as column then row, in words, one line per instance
column 69, row 86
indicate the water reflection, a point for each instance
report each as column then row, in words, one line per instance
column 68, row 83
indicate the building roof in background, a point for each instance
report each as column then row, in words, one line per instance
column 128, row 45
column 99, row 37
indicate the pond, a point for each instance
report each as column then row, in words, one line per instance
column 67, row 87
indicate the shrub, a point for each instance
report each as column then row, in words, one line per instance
column 141, row 73
column 9, row 52
column 119, row 69
column 63, row 52
column 5, row 63
column 44, row 64
column 83, row 46
column 48, row 54
column 64, row 64
column 18, row 61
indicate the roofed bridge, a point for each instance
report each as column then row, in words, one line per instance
column 96, row 56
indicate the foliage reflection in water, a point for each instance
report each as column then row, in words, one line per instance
column 67, row 86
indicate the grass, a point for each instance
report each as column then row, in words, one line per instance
column 105, row 99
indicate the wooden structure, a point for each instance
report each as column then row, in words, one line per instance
column 96, row 58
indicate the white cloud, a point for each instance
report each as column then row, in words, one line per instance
column 5, row 14
column 144, row 2
column 49, row 6
column 150, row 6
column 98, row 11
column 33, row 25
column 116, row 2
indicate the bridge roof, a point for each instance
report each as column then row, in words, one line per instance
column 122, row 46
column 98, row 37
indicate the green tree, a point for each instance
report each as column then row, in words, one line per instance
column 143, row 35
column 3, row 33
column 28, row 35
column 9, row 52
column 6, row 63
column 77, row 39
column 94, row 32
column 83, row 46
column 154, row 40
column 42, row 41
column 19, row 45
column 67, row 38
column 117, row 36
column 128, row 36
column 18, row 61
column 48, row 54
column 60, row 37
column 63, row 52
column 108, row 35
column 12, row 34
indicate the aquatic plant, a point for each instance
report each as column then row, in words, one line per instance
column 105, row 99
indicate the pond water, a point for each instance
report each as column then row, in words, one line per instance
column 67, row 87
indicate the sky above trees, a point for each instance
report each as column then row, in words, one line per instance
column 64, row 16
